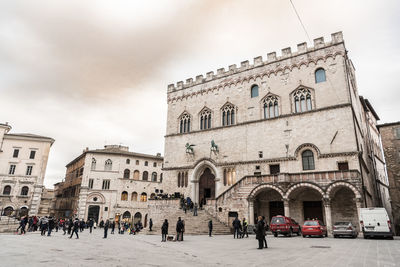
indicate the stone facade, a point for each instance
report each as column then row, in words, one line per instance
column 23, row 162
column 46, row 203
column 109, row 183
column 289, row 135
column 390, row 133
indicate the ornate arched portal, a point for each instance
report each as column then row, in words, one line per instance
column 206, row 185
column 204, row 181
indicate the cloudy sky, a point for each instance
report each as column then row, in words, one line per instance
column 90, row 73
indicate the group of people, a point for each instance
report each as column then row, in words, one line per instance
column 240, row 228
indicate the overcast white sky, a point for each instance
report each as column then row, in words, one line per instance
column 89, row 73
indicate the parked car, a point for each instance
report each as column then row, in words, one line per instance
column 375, row 222
column 284, row 225
column 344, row 229
column 314, row 228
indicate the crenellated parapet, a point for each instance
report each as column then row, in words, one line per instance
column 272, row 58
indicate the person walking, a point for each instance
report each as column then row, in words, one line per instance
column 236, row 227
column 70, row 225
column 260, row 232
column 75, row 228
column 64, row 226
column 22, row 225
column 245, row 224
column 195, row 210
column 151, row 224
column 210, row 228
column 112, row 227
column 51, row 226
column 164, row 231
column 45, row 224
column 106, row 225
column 90, row 225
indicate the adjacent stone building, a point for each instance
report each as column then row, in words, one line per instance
column 23, row 162
column 287, row 135
column 390, row 133
column 109, row 183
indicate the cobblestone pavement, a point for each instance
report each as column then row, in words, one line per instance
column 147, row 250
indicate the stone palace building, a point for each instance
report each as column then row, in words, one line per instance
column 23, row 162
column 109, row 183
column 288, row 135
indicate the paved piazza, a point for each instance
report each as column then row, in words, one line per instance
column 147, row 250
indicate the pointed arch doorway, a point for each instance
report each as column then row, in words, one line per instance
column 206, row 185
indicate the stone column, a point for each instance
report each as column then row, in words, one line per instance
column 286, row 207
column 328, row 215
column 251, row 211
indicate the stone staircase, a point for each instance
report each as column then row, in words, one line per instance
column 194, row 225
column 8, row 224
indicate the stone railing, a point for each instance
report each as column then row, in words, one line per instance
column 321, row 177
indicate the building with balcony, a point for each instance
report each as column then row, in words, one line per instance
column 289, row 135
column 23, row 162
column 109, row 183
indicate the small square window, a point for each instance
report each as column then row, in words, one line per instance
column 146, row 163
column 29, row 170
column 32, row 155
column 274, row 169
column 105, row 208
column 397, row 132
column 257, row 167
column 343, row 166
column 16, row 152
column 260, row 154
column 155, row 164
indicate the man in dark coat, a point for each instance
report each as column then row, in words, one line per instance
column 151, row 224
column 75, row 228
column 112, row 227
column 90, row 224
column 70, row 225
column 210, row 228
column 265, row 232
column 164, row 231
column 179, row 230
column 106, row 225
column 260, row 230
column 236, row 228
column 51, row 226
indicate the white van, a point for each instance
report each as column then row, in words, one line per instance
column 375, row 222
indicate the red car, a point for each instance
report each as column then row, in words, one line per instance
column 284, row 225
column 314, row 227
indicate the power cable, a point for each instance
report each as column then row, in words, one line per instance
column 298, row 16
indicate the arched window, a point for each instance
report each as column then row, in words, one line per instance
column 24, row 191
column 108, row 165
column 7, row 190
column 179, row 179
column 186, row 179
column 124, row 196
column 205, row 119
column 127, row 173
column 126, row 215
column 254, row 90
column 302, row 100
column 145, row 176
column 307, row 158
column 93, row 167
column 161, row 176
column 154, row 177
column 184, row 123
column 143, row 197
column 228, row 115
column 146, row 163
column 137, row 162
column 128, row 161
column 271, row 108
column 136, row 175
column 320, row 75
column 134, row 196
